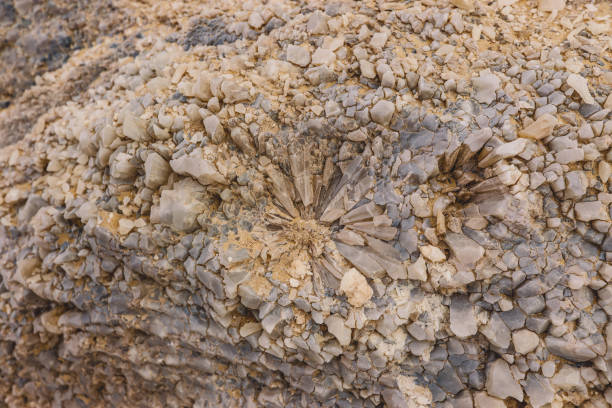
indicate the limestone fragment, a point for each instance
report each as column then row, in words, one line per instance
column 580, row 84
column 134, row 127
column 432, row 253
column 123, row 167
column 466, row 250
column 590, row 211
column 335, row 325
column 541, row 128
column 496, row 331
column 356, row 288
column 180, row 206
column 157, row 170
column 501, row 383
column 539, row 390
column 485, row 86
column 525, row 341
column 467, row 5
column 214, row 129
column 462, row 318
column 195, row 165
column 382, row 112
column 298, row 55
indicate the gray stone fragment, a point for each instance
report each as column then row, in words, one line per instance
column 574, row 350
column 539, row 390
column 532, row 304
column 466, row 250
column 157, row 170
column 501, row 383
column 394, row 398
column 575, row 185
column 448, row 380
column 336, row 326
column 462, row 318
column 248, row 297
column 590, row 211
column 514, row 319
column 496, row 331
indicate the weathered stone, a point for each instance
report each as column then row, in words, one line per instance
column 500, row 381
column 466, row 250
column 485, row 86
column 298, row 55
column 134, row 127
column 432, row 253
column 123, row 167
column 541, row 128
column 590, row 211
column 525, row 341
column 356, row 288
column 496, row 332
column 179, row 207
column 382, row 112
column 575, row 185
column 462, row 317
column 580, row 84
column 539, row 390
column 573, row 350
column 197, row 166
column 336, row 326
column 157, row 170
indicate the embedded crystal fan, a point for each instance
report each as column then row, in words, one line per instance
column 319, row 223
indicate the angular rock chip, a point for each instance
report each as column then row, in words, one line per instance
column 157, row 170
column 591, row 211
column 462, row 318
column 581, row 85
column 195, row 165
column 466, row 250
column 572, row 350
column 541, row 128
column 501, row 383
column 497, row 332
column 336, row 326
column 539, row 390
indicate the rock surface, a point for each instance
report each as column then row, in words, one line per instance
column 290, row 204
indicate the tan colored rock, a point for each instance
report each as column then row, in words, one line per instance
column 337, row 327
column 463, row 4
column 581, row 85
column 541, row 128
column 134, row 127
column 432, row 253
column 356, row 288
column 525, row 341
column 367, row 69
column 608, row 102
column 591, row 211
column 157, row 170
column 605, row 171
column 201, row 87
column 195, row 165
column 551, row 5
column 298, row 55
column 418, row 270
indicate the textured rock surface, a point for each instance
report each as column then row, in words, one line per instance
column 315, row 204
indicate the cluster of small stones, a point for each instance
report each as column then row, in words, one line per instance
column 343, row 204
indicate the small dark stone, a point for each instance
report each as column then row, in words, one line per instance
column 588, row 109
